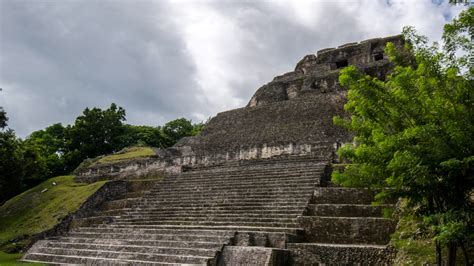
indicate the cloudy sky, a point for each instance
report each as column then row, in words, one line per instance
column 161, row 60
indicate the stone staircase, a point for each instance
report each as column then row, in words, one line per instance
column 343, row 228
column 188, row 218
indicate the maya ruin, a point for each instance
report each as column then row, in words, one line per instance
column 252, row 189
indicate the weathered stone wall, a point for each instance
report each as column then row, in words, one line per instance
column 314, row 254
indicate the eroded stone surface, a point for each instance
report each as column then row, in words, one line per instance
column 258, row 256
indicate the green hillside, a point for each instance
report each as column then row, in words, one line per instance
column 40, row 209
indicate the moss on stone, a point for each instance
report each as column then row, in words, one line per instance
column 39, row 209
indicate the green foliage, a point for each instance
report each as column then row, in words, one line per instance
column 7, row 259
column 11, row 167
column 176, row 129
column 40, row 209
column 414, row 131
column 143, row 136
column 3, row 118
column 50, row 143
column 94, row 133
column 413, row 242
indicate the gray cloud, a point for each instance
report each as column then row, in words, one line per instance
column 162, row 60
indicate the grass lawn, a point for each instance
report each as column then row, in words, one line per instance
column 11, row 259
column 40, row 209
column 126, row 154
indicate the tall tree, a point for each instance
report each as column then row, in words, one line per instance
column 414, row 131
column 50, row 144
column 95, row 132
column 11, row 167
column 177, row 129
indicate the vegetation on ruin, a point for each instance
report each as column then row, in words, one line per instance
column 40, row 209
column 413, row 134
column 127, row 154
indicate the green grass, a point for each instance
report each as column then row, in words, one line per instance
column 414, row 247
column 34, row 211
column 12, row 259
column 127, row 154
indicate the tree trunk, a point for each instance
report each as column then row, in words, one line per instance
column 464, row 252
column 439, row 261
column 452, row 247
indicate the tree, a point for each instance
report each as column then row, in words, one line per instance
column 95, row 132
column 50, row 144
column 414, row 132
column 3, row 118
column 176, row 129
column 143, row 136
column 11, row 167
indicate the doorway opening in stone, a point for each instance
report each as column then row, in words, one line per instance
column 342, row 63
column 378, row 56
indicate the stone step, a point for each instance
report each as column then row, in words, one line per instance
column 123, row 255
column 346, row 210
column 224, row 200
column 235, row 195
column 155, row 237
column 209, row 223
column 347, row 230
column 205, row 213
column 211, row 206
column 166, row 231
column 156, row 243
column 237, row 183
column 256, row 182
column 209, row 215
column 212, row 209
column 338, row 195
column 240, row 228
column 339, row 254
column 264, row 173
column 257, row 164
column 131, row 248
column 82, row 260
column 230, row 197
column 132, row 195
column 118, row 204
column 259, row 191
column 143, row 185
column 239, row 188
column 207, row 219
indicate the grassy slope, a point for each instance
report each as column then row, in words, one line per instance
column 126, row 154
column 33, row 212
column 12, row 259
